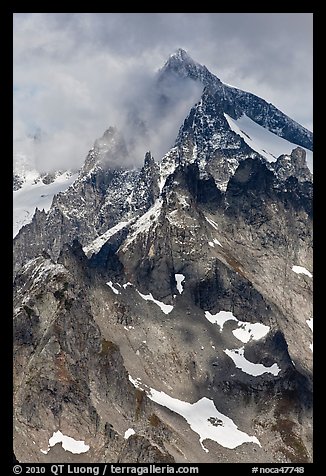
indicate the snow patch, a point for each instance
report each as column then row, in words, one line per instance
column 179, row 278
column 301, row 270
column 126, row 285
column 68, row 443
column 247, row 331
column 212, row 223
column 266, row 143
column 116, row 291
column 220, row 318
column 237, row 355
column 204, row 419
column 135, row 381
column 36, row 195
column 96, row 245
column 166, row 308
column 211, row 243
column 128, row 433
column 310, row 323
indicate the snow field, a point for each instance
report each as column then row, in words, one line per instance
column 202, row 417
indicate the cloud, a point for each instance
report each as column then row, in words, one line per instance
column 77, row 74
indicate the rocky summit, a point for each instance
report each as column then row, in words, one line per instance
column 163, row 313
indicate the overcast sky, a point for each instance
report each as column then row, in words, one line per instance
column 72, row 71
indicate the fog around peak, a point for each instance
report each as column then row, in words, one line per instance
column 75, row 75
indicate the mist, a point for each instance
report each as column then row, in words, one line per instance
column 153, row 114
column 106, row 93
column 75, row 75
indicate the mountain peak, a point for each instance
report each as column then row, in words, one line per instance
column 209, row 234
column 293, row 164
column 109, row 151
column 181, row 55
column 181, row 60
column 181, row 64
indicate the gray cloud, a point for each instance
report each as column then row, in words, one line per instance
column 74, row 74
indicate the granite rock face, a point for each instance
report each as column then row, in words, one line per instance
column 187, row 281
column 234, row 101
column 293, row 165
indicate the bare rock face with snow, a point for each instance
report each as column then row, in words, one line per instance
column 164, row 313
column 293, row 165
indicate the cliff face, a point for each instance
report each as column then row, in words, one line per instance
column 165, row 313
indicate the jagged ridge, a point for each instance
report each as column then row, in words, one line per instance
column 186, row 259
